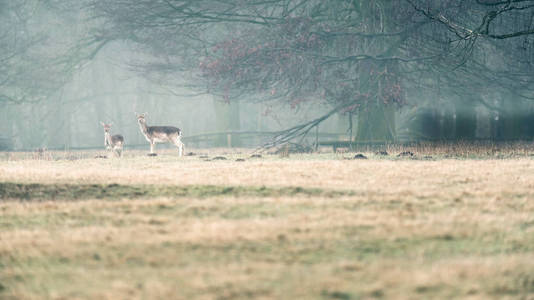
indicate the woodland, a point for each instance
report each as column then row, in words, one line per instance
column 383, row 70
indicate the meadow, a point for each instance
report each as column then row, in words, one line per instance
column 444, row 223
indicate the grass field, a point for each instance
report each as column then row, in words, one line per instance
column 458, row 224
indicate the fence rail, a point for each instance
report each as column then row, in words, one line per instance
column 208, row 139
column 254, row 139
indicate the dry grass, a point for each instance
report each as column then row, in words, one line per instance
column 398, row 229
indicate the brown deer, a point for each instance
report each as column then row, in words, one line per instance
column 160, row 134
column 112, row 142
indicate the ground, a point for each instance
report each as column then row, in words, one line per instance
column 458, row 224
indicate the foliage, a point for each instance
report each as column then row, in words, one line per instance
column 344, row 52
column 40, row 52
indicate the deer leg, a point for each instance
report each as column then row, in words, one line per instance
column 178, row 143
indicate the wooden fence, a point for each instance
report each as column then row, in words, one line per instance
column 248, row 139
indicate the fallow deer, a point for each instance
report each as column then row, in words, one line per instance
column 160, row 134
column 112, row 142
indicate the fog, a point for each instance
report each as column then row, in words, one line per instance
column 240, row 73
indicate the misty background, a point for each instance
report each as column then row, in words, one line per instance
column 370, row 71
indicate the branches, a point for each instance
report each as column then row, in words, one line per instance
column 38, row 58
column 341, row 52
column 487, row 18
column 301, row 130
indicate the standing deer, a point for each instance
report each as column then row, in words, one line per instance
column 160, row 134
column 112, row 142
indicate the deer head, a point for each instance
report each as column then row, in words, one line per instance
column 141, row 118
column 107, row 127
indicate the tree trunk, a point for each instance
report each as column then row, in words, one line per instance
column 6, row 127
column 227, row 119
column 57, row 127
column 426, row 124
column 511, row 124
column 376, row 119
column 376, row 123
column 528, row 122
column 466, row 120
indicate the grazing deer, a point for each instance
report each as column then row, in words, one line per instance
column 112, row 142
column 160, row 134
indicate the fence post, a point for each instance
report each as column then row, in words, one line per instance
column 317, row 138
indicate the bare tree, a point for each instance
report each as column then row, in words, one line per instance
column 357, row 56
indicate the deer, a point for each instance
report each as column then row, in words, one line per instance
column 160, row 134
column 112, row 142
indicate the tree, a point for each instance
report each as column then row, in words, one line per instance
column 39, row 50
column 42, row 46
column 345, row 53
column 470, row 20
column 358, row 56
column 493, row 41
